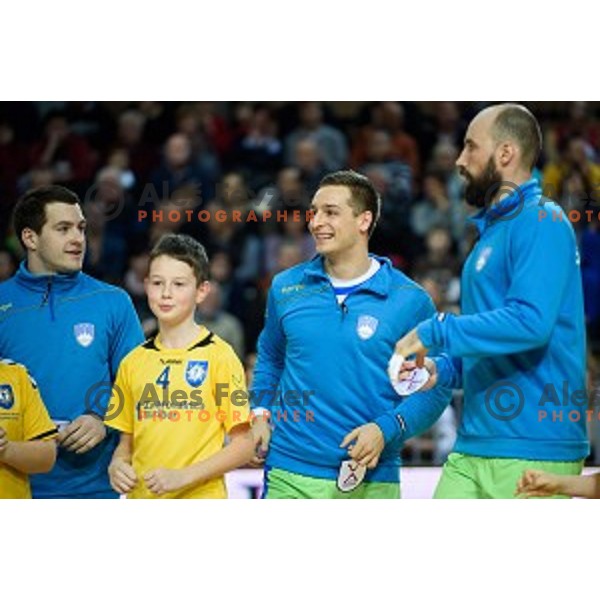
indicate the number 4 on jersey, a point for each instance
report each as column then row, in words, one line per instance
column 163, row 378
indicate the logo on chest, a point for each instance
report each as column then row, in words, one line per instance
column 84, row 333
column 483, row 258
column 196, row 371
column 7, row 398
column 366, row 326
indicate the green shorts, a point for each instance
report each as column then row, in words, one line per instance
column 466, row 476
column 280, row 484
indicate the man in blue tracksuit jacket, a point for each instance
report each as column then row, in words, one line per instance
column 518, row 349
column 71, row 331
column 329, row 332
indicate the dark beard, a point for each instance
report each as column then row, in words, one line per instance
column 480, row 192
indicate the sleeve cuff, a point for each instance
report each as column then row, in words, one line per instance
column 390, row 426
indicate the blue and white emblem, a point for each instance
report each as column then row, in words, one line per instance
column 366, row 326
column 84, row 333
column 195, row 372
column 483, row 257
column 7, row 398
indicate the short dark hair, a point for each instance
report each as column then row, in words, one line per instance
column 515, row 122
column 30, row 209
column 363, row 195
column 184, row 248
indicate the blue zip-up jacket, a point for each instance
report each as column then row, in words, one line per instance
column 327, row 363
column 520, row 341
column 71, row 331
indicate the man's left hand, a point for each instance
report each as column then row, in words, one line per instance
column 82, row 434
column 368, row 444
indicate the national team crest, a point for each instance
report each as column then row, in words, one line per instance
column 84, row 333
column 483, row 257
column 366, row 326
column 7, row 398
column 195, row 372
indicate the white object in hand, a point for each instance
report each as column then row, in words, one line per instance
column 350, row 475
column 418, row 377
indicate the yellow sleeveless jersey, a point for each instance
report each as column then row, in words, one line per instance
column 178, row 404
column 23, row 417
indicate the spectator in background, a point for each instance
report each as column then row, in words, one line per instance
column 398, row 174
column 443, row 161
column 436, row 210
column 139, row 156
column 330, row 141
column 225, row 235
column 8, row 264
column 212, row 315
column 440, row 263
column 134, row 283
column 259, row 151
column 91, row 120
column 233, row 192
column 13, row 162
column 68, row 156
column 188, row 122
column 577, row 158
column 579, row 122
column 388, row 116
column 288, row 193
column 111, row 221
column 308, row 159
column 289, row 231
column 445, row 125
column 179, row 168
column 221, row 271
column 159, row 120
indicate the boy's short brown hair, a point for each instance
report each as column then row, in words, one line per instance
column 186, row 249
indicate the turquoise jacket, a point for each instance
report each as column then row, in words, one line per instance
column 71, row 331
column 518, row 349
column 321, row 368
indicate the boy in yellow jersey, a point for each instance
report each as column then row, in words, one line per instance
column 26, row 431
column 180, row 393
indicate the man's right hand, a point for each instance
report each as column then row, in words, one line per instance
column 122, row 476
column 410, row 365
column 261, row 431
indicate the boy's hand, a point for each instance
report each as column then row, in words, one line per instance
column 160, row 481
column 122, row 476
column 82, row 434
column 261, row 432
column 538, row 483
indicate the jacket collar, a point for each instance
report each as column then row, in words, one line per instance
column 40, row 283
column 379, row 284
column 508, row 208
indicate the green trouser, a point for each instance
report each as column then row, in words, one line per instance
column 466, row 476
column 281, row 484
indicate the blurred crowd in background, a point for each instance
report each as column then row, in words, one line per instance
column 185, row 163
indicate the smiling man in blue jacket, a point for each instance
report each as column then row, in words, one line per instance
column 320, row 378
column 71, row 331
column 520, row 341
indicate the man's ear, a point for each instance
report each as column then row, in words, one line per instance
column 29, row 238
column 366, row 218
column 507, row 153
